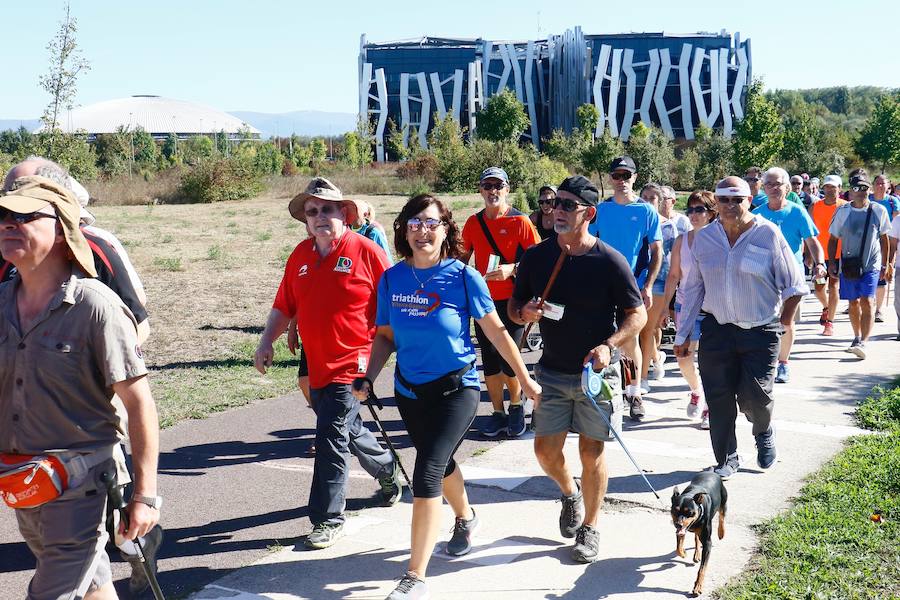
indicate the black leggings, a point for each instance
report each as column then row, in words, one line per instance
column 437, row 426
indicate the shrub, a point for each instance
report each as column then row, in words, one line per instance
column 684, row 172
column 715, row 154
column 219, row 180
column 424, row 167
column 288, row 168
column 653, row 153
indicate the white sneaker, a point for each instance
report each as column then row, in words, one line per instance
column 657, row 370
column 693, row 407
column 859, row 350
column 704, row 420
column 645, row 388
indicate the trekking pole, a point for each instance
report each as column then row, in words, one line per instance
column 373, row 399
column 117, row 502
column 550, row 282
column 588, row 382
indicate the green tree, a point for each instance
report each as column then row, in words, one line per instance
column 715, row 153
column 587, row 116
column 66, row 64
column 17, row 143
column 566, row 149
column 267, row 159
column 449, row 149
column 146, row 152
column 113, row 152
column 197, row 148
column 318, row 153
column 759, row 136
column 170, row 147
column 878, row 139
column 596, row 156
column 653, row 153
column 394, row 142
column 503, row 119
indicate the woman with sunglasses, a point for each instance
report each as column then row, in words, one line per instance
column 424, row 305
column 542, row 218
column 701, row 210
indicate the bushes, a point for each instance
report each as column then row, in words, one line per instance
column 216, row 180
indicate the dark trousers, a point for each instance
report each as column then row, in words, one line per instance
column 491, row 361
column 340, row 431
column 437, row 426
column 737, row 368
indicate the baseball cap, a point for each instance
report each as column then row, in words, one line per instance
column 34, row 193
column 833, row 180
column 623, row 162
column 547, row 188
column 494, row 173
column 860, row 179
column 581, row 186
column 741, row 188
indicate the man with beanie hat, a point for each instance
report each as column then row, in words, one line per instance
column 579, row 327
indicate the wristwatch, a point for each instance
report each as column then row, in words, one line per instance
column 151, row 501
column 612, row 348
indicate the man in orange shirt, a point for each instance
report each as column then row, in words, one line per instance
column 498, row 235
column 822, row 213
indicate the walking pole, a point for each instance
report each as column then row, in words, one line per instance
column 373, row 399
column 591, row 383
column 116, row 502
column 550, row 282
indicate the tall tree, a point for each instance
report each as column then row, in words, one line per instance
column 759, row 136
column 66, row 64
column 878, row 138
column 503, row 119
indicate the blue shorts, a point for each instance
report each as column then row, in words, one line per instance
column 695, row 332
column 854, row 289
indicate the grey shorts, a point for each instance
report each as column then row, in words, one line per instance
column 68, row 537
column 564, row 407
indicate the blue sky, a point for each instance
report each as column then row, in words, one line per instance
column 272, row 56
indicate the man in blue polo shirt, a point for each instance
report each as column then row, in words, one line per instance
column 627, row 225
column 798, row 229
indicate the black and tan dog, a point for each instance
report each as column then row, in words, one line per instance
column 693, row 510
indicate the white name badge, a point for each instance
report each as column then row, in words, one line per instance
column 493, row 263
column 554, row 311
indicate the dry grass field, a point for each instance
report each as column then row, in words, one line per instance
column 211, row 272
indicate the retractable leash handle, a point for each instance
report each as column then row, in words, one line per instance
column 594, row 385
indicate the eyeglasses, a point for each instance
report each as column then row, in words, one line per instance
column 773, row 183
column 414, row 225
column 730, row 199
column 860, row 188
column 751, row 179
column 493, row 186
column 620, row 176
column 695, row 210
column 546, row 201
column 22, row 218
column 567, row 204
column 327, row 209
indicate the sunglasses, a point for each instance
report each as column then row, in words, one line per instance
column 417, row 224
column 22, row 218
column 692, row 210
column 493, row 186
column 620, row 176
column 860, row 188
column 327, row 210
column 567, row 204
column 751, row 179
column 546, row 201
column 730, row 199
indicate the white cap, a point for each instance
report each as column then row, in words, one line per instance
column 741, row 188
column 834, row 180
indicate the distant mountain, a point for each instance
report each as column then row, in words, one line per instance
column 29, row 124
column 301, row 122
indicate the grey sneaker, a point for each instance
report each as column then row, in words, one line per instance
column 497, row 424
column 461, row 537
column 587, row 545
column 859, row 349
column 731, row 466
column 853, row 345
column 636, row 405
column 878, row 317
column 410, row 588
column 515, row 420
column 150, row 544
column 571, row 516
column 324, row 535
column 391, row 488
column 765, row 449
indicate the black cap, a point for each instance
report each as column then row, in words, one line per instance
column 581, row 186
column 860, row 179
column 623, row 162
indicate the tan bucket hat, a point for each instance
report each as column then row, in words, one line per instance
column 33, row 193
column 322, row 189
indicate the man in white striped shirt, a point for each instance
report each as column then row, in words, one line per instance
column 746, row 279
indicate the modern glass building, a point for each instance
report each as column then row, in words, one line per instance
column 677, row 82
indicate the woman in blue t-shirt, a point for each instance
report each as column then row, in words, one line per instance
column 424, row 305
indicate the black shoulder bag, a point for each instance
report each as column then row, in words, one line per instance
column 852, row 266
column 487, row 234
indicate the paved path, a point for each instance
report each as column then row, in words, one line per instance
column 234, row 483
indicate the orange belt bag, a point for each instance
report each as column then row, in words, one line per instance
column 28, row 481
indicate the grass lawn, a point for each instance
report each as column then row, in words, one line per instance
column 211, row 272
column 842, row 538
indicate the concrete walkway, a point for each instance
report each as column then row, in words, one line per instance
column 519, row 552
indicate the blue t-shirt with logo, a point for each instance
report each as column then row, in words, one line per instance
column 795, row 224
column 890, row 203
column 429, row 312
column 627, row 227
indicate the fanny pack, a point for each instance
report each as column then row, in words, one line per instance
column 31, row 480
column 442, row 386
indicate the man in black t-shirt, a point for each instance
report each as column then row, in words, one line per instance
column 578, row 325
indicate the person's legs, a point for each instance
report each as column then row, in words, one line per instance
column 648, row 335
column 334, row 413
column 632, row 349
column 375, row 460
column 880, row 295
column 854, row 317
column 719, row 371
column 821, row 291
column 426, row 524
column 758, row 349
column 594, row 477
column 787, row 341
column 897, row 297
column 866, row 317
column 832, row 297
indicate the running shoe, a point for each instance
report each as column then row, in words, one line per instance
column 823, row 318
column 587, row 545
column 410, row 588
column 461, row 537
column 571, row 516
column 859, row 349
column 693, row 407
column 704, row 420
column 765, row 449
column 731, row 466
column 496, row 424
column 636, row 405
column 515, row 420
column 829, row 329
column 783, row 374
column 324, row 535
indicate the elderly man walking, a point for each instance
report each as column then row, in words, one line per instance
column 329, row 286
column 69, row 344
column 747, row 280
